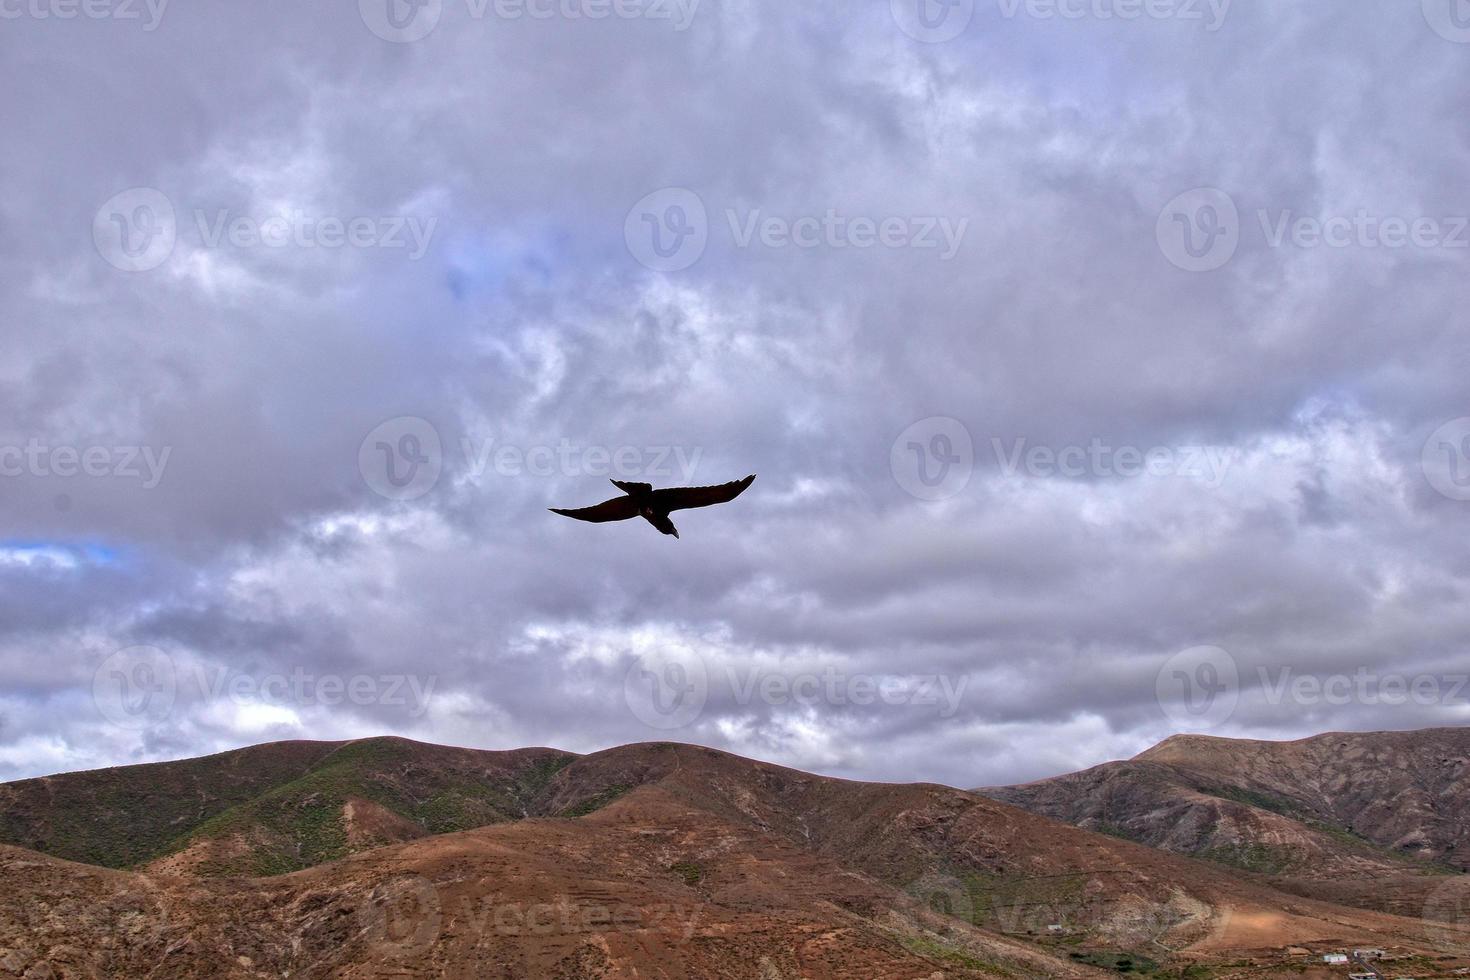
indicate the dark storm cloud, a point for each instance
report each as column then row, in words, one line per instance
column 892, row 231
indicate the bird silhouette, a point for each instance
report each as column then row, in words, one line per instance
column 641, row 500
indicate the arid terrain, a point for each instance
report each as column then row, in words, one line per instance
column 385, row 857
column 1380, row 820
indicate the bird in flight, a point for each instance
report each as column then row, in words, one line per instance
column 641, row 500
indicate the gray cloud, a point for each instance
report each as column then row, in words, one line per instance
column 527, row 327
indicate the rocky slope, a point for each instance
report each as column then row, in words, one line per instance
column 1330, row 807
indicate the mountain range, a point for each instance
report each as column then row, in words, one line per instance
column 386, row 857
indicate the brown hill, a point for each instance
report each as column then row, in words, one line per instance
column 272, row 808
column 1330, row 807
column 675, row 860
column 644, row 889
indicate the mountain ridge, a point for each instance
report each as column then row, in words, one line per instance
column 1378, row 820
column 691, row 861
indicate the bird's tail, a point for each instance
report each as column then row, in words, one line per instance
column 662, row 522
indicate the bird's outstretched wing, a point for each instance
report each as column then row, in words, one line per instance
column 616, row 509
column 632, row 488
column 683, row 498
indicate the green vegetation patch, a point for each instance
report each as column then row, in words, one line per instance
column 1260, row 858
column 689, row 871
column 300, row 823
column 595, row 803
column 1118, row 962
column 931, row 948
column 1016, row 904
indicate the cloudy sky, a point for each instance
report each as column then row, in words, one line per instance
column 1103, row 363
